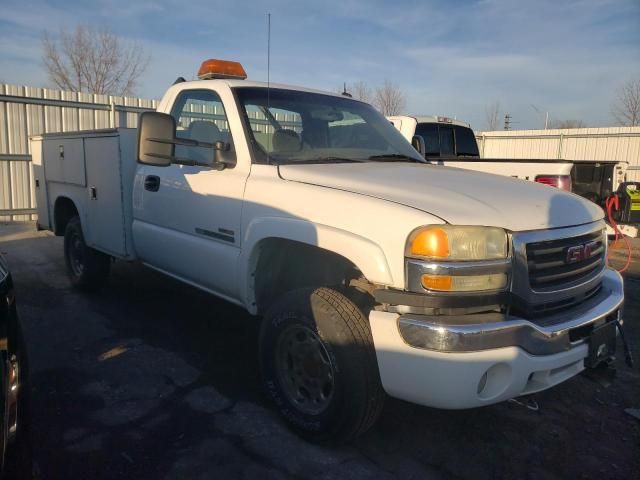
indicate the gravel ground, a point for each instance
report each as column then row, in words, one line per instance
column 151, row 379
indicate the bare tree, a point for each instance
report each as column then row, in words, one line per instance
column 389, row 99
column 567, row 124
column 94, row 61
column 492, row 115
column 362, row 91
column 626, row 107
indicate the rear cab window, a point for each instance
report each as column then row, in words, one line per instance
column 447, row 140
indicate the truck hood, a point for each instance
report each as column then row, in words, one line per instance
column 457, row 196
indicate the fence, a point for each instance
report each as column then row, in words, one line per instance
column 615, row 143
column 26, row 111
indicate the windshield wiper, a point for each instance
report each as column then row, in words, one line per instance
column 395, row 157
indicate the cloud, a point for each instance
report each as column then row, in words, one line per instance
column 450, row 58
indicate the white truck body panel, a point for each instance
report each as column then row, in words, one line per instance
column 458, row 196
column 522, row 170
column 95, row 170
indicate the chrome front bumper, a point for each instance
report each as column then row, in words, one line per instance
column 556, row 333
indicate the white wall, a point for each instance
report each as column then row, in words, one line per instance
column 613, row 143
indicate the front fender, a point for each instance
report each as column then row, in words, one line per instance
column 362, row 252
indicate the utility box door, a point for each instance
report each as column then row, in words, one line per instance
column 65, row 160
column 105, row 227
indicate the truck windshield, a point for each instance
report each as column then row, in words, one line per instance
column 290, row 126
column 448, row 140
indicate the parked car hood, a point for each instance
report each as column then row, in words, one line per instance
column 457, row 196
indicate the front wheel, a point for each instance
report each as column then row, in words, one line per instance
column 319, row 365
column 87, row 268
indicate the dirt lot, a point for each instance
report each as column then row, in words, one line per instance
column 153, row 379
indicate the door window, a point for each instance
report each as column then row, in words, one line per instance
column 200, row 116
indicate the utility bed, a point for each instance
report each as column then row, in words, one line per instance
column 94, row 169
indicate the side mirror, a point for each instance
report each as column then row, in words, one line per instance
column 223, row 156
column 156, row 139
column 417, row 142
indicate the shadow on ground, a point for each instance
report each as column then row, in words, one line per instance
column 153, row 379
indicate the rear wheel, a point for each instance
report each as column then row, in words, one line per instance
column 319, row 365
column 87, row 268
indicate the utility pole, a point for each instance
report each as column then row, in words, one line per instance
column 507, row 121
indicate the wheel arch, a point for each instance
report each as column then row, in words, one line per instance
column 281, row 250
column 64, row 209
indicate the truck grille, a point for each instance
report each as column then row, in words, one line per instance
column 560, row 262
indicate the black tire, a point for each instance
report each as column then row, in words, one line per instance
column 343, row 396
column 87, row 268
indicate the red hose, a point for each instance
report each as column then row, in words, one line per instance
column 609, row 203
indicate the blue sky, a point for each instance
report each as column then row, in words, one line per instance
column 449, row 57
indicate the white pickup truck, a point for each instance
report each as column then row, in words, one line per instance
column 370, row 270
column 450, row 142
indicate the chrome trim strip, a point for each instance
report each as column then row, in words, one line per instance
column 422, row 332
column 416, row 268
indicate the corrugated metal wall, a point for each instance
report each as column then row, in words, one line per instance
column 615, row 143
column 26, row 111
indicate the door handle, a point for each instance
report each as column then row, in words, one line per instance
column 152, row 183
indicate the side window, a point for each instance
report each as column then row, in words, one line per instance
column 284, row 125
column 200, row 116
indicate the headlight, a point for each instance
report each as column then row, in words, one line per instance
column 451, row 242
column 458, row 259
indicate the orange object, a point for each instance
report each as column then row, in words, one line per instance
column 437, row 282
column 613, row 202
column 432, row 242
column 213, row 68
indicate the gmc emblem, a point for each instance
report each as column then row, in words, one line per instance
column 579, row 253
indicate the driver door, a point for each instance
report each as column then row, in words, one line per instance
column 187, row 217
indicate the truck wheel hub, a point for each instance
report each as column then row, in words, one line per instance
column 304, row 369
column 76, row 255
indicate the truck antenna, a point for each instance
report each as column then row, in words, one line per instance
column 268, row 70
column 268, row 56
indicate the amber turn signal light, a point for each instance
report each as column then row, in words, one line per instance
column 430, row 242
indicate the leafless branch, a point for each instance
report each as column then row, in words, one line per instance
column 626, row 107
column 492, row 115
column 362, row 91
column 94, row 61
column 389, row 99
